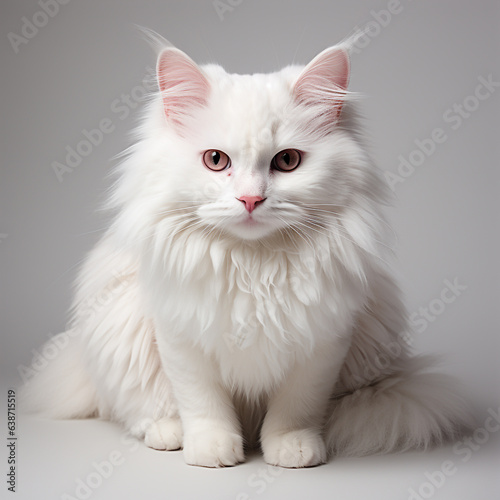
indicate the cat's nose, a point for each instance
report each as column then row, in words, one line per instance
column 251, row 202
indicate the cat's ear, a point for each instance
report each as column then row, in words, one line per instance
column 323, row 82
column 182, row 84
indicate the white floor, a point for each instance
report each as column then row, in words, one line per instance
column 57, row 458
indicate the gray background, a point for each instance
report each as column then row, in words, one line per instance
column 68, row 77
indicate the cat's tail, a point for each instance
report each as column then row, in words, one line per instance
column 413, row 408
column 60, row 386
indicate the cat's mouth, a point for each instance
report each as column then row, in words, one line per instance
column 249, row 220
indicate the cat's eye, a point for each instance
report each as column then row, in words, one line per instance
column 286, row 160
column 216, row 160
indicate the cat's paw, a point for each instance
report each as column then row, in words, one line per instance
column 213, row 448
column 164, row 434
column 299, row 448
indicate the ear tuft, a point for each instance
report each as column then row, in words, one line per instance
column 323, row 82
column 182, row 84
column 153, row 39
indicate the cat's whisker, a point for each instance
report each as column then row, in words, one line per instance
column 338, row 227
column 312, row 205
column 318, row 224
column 178, row 218
column 177, row 223
column 309, row 226
column 207, row 231
column 290, row 238
column 336, row 217
column 299, row 233
column 380, row 219
column 219, row 234
column 174, row 210
column 192, row 225
column 341, row 233
column 211, row 228
column 341, row 228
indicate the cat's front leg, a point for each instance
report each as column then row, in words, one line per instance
column 292, row 432
column 212, row 434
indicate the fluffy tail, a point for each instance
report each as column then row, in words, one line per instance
column 407, row 410
column 61, row 386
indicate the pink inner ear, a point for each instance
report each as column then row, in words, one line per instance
column 182, row 84
column 324, row 80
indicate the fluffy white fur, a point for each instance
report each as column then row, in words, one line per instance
column 199, row 326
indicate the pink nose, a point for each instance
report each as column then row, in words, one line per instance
column 251, row 202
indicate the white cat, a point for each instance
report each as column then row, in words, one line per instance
column 241, row 292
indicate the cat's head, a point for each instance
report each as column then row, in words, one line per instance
column 250, row 155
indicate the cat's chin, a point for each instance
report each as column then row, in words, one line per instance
column 250, row 229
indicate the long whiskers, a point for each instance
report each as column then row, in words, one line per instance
column 178, row 209
column 301, row 234
column 341, row 232
column 335, row 218
column 339, row 227
column 313, row 205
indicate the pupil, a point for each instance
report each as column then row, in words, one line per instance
column 286, row 158
column 215, row 157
